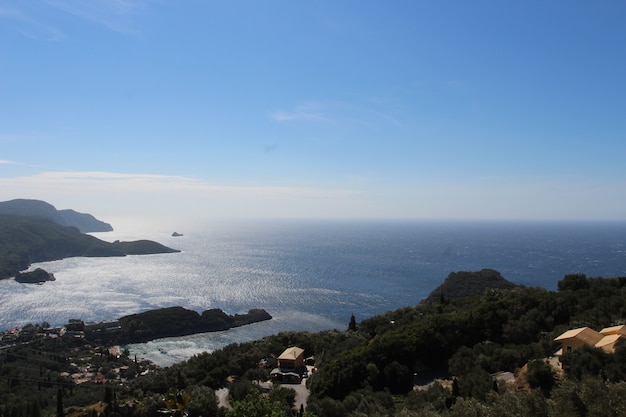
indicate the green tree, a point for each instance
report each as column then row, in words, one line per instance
column 567, row 402
column 326, row 407
column 202, row 403
column 256, row 406
column 60, row 411
column 540, row 376
column 397, row 377
column 352, row 325
column 108, row 395
column 475, row 384
column 462, row 362
column 284, row 396
column 240, row 390
column 585, row 361
column 573, row 282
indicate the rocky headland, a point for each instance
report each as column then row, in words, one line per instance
column 38, row 237
column 165, row 322
column 85, row 223
column 468, row 284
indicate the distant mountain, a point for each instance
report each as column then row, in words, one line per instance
column 467, row 284
column 28, row 239
column 85, row 223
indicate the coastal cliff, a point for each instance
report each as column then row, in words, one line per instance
column 28, row 239
column 85, row 223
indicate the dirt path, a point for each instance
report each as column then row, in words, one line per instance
column 222, row 398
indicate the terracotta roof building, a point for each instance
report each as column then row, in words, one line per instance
column 585, row 336
column 291, row 358
column 614, row 330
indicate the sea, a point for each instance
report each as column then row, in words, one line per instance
column 310, row 275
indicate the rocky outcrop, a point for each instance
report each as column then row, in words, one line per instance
column 38, row 276
column 178, row 321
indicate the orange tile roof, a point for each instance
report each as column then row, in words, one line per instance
column 585, row 334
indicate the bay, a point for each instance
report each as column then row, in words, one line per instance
column 309, row 275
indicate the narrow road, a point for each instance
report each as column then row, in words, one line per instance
column 302, row 393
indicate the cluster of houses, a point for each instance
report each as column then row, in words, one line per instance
column 23, row 335
column 86, row 360
column 10, row 336
column 605, row 339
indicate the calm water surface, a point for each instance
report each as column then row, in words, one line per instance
column 310, row 275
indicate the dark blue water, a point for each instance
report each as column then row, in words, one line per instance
column 310, row 275
column 371, row 267
column 408, row 259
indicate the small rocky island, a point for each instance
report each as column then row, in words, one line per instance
column 169, row 322
column 38, row 276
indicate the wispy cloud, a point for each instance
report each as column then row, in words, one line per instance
column 387, row 117
column 342, row 112
column 116, row 15
column 36, row 19
column 7, row 162
column 28, row 25
column 304, row 111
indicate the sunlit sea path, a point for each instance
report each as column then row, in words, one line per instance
column 310, row 275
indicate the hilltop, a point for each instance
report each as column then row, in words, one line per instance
column 468, row 284
column 85, row 223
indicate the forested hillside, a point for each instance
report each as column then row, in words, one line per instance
column 370, row 371
column 371, row 368
column 468, row 284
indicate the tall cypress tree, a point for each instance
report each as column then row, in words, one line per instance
column 60, row 412
column 108, row 395
column 352, row 325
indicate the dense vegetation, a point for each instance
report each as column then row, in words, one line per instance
column 468, row 284
column 25, row 240
column 371, row 369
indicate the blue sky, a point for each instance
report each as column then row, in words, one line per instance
column 357, row 109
